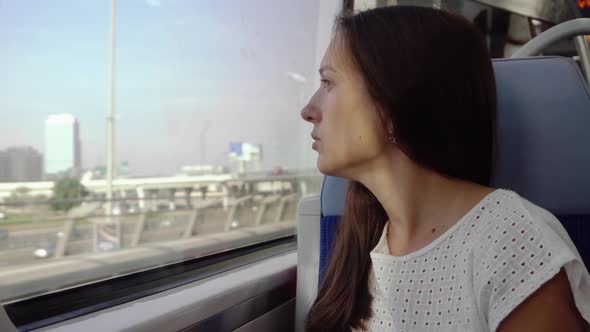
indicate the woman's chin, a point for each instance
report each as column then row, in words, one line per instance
column 326, row 168
column 337, row 169
column 322, row 167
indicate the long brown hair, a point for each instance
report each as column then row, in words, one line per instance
column 431, row 73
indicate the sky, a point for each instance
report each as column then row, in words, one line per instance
column 191, row 77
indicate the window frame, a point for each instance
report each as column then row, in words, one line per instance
column 52, row 308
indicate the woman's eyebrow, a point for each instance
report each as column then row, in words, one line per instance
column 326, row 68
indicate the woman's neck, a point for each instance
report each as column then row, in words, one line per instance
column 421, row 204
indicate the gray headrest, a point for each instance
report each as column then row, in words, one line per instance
column 543, row 141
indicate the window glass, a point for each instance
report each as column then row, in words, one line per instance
column 209, row 151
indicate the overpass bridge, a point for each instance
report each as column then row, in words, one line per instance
column 174, row 186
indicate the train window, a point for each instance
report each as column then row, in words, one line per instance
column 140, row 134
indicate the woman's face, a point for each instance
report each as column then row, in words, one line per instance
column 347, row 129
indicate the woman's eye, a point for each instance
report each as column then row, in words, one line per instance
column 326, row 83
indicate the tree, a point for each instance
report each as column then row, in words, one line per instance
column 67, row 193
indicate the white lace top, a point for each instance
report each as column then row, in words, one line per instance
column 477, row 272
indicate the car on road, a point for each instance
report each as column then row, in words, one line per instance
column 133, row 208
column 45, row 249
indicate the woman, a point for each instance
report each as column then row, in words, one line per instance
column 406, row 110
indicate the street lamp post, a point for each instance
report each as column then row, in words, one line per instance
column 111, row 120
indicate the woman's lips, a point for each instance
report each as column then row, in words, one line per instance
column 316, row 141
column 315, row 145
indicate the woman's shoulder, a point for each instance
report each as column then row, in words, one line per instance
column 509, row 220
column 514, row 233
column 520, row 246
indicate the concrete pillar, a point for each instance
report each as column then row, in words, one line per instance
column 172, row 199
column 152, row 195
column 204, row 189
column 138, row 230
column 190, row 226
column 141, row 198
column 62, row 243
column 187, row 196
column 225, row 191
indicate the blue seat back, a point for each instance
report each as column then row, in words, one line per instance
column 543, row 147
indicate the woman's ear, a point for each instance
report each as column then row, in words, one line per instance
column 389, row 128
column 386, row 123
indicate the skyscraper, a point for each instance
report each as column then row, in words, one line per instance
column 20, row 164
column 62, row 144
column 4, row 167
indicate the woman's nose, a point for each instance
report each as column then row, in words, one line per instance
column 306, row 113
column 311, row 113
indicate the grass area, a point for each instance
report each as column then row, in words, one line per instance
column 17, row 219
column 29, row 222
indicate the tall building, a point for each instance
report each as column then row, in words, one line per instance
column 21, row 164
column 4, row 167
column 62, row 144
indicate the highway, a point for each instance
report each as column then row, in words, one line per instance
column 18, row 248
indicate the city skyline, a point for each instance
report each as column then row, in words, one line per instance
column 72, row 166
column 190, row 78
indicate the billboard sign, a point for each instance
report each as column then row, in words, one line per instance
column 245, row 151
